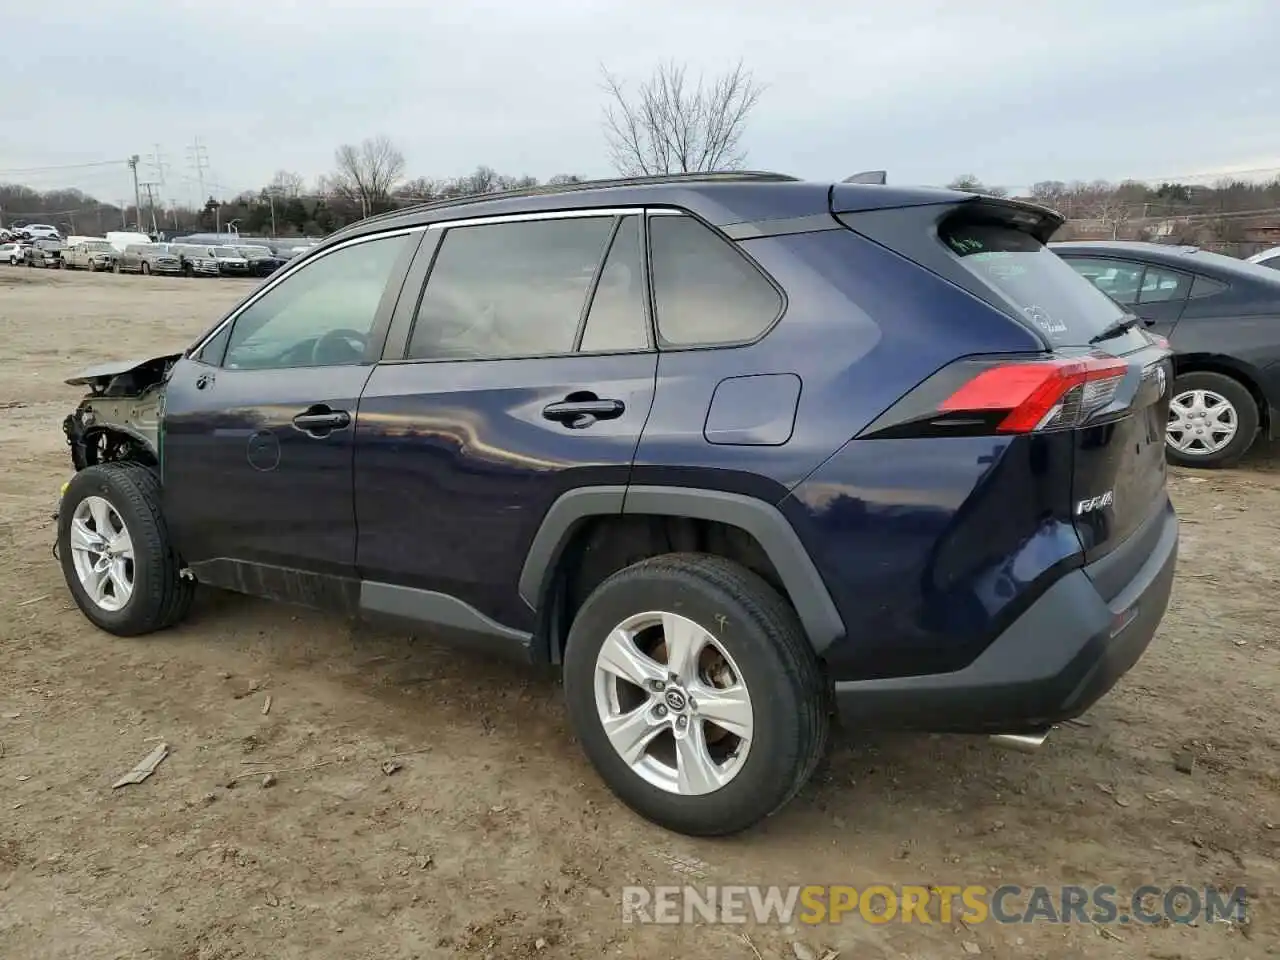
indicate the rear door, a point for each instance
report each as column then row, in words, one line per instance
column 525, row 369
column 1154, row 292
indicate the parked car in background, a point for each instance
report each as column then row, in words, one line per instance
column 231, row 262
column 1221, row 316
column 147, row 258
column 196, row 260
column 732, row 452
column 91, row 255
column 41, row 231
column 1267, row 258
column 14, row 252
column 45, row 253
column 262, row 262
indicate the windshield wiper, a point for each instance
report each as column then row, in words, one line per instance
column 1127, row 322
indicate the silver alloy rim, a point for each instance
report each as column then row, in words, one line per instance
column 102, row 552
column 1201, row 422
column 673, row 703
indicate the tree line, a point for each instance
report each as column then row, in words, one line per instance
column 672, row 122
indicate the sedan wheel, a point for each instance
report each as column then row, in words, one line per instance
column 1213, row 419
column 102, row 552
column 1201, row 422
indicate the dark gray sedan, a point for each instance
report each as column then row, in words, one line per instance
column 1222, row 318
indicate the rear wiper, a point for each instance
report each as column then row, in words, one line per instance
column 1127, row 322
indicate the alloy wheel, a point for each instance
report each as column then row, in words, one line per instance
column 102, row 552
column 673, row 703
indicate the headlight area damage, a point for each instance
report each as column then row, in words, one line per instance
column 120, row 419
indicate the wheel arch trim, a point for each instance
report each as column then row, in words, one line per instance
column 761, row 519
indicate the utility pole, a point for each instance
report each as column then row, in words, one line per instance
column 198, row 157
column 137, row 192
column 151, row 202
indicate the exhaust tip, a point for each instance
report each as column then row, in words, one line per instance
column 1023, row 742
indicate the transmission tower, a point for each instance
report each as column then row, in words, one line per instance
column 198, row 158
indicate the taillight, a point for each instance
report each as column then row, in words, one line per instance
column 1039, row 395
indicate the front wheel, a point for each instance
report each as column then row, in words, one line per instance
column 116, row 553
column 695, row 693
column 146, row 269
column 1213, row 420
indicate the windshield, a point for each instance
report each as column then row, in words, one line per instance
column 255, row 251
column 1065, row 307
column 226, row 253
column 98, row 246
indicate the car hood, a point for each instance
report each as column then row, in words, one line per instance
column 104, row 373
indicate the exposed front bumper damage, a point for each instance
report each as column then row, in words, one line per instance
column 120, row 418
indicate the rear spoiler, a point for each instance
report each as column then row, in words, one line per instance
column 862, row 197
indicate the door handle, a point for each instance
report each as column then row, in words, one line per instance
column 320, row 420
column 577, row 414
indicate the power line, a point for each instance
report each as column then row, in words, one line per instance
column 66, row 166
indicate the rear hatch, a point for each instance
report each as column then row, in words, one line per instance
column 1100, row 378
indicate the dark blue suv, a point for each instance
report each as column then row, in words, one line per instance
column 738, row 453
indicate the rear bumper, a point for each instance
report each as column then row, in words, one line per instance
column 1055, row 661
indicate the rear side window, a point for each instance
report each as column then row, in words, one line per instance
column 1204, row 287
column 1160, row 285
column 705, row 291
column 508, row 289
column 1065, row 307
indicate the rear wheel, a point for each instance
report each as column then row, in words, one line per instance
column 115, row 551
column 1213, row 420
column 695, row 693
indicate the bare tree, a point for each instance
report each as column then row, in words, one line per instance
column 971, row 184
column 285, row 184
column 367, row 173
column 676, row 125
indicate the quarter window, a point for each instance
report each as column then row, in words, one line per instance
column 513, row 289
column 704, row 290
column 320, row 316
column 1204, row 287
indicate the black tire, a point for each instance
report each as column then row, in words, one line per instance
column 161, row 596
column 1247, row 418
column 762, row 633
column 115, row 266
column 145, row 269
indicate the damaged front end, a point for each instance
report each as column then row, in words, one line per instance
column 122, row 416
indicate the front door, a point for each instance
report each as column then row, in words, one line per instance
column 529, row 371
column 259, row 424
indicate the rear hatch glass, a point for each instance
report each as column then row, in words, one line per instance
column 1042, row 289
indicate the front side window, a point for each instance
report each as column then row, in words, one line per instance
column 704, row 290
column 321, row 315
column 503, row 290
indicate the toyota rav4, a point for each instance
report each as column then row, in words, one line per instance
column 738, row 454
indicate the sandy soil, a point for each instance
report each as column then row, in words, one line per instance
column 495, row 839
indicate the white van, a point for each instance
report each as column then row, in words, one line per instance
column 124, row 238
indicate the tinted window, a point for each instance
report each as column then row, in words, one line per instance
column 1204, row 287
column 319, row 316
column 704, row 290
column 617, row 320
column 1160, row 285
column 1272, row 262
column 1052, row 297
column 1118, row 279
column 508, row 289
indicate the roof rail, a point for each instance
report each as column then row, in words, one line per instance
column 718, row 176
column 867, row 176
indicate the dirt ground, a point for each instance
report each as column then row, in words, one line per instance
column 495, row 838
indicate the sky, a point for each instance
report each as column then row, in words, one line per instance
column 1013, row 92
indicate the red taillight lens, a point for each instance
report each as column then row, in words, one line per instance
column 1042, row 395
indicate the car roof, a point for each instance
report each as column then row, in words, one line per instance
column 719, row 198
